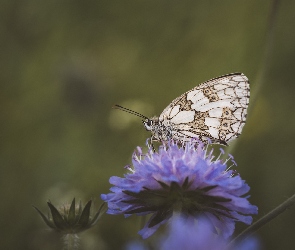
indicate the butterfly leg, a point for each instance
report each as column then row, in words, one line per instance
column 152, row 144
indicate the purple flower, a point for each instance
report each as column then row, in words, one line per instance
column 136, row 245
column 182, row 180
column 191, row 234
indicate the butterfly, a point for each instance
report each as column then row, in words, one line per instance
column 214, row 111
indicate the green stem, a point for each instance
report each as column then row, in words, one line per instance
column 265, row 61
column 266, row 58
column 264, row 220
column 71, row 241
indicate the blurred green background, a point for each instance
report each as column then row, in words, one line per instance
column 63, row 64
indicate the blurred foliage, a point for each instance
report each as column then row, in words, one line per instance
column 63, row 65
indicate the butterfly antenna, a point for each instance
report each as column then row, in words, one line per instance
column 116, row 106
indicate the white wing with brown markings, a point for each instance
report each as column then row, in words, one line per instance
column 214, row 110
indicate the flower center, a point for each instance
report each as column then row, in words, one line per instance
column 175, row 198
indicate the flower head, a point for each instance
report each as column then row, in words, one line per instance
column 185, row 180
column 70, row 219
column 191, row 235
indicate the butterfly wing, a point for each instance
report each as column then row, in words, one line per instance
column 216, row 109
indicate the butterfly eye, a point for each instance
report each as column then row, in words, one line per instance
column 149, row 122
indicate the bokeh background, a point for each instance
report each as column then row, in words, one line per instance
column 63, row 64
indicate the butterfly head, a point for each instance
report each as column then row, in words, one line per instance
column 150, row 124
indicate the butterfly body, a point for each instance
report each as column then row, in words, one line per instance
column 162, row 130
column 213, row 111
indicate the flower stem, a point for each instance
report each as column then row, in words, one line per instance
column 71, row 241
column 268, row 48
column 264, row 220
column 265, row 60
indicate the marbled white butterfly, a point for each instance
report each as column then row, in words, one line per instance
column 214, row 110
